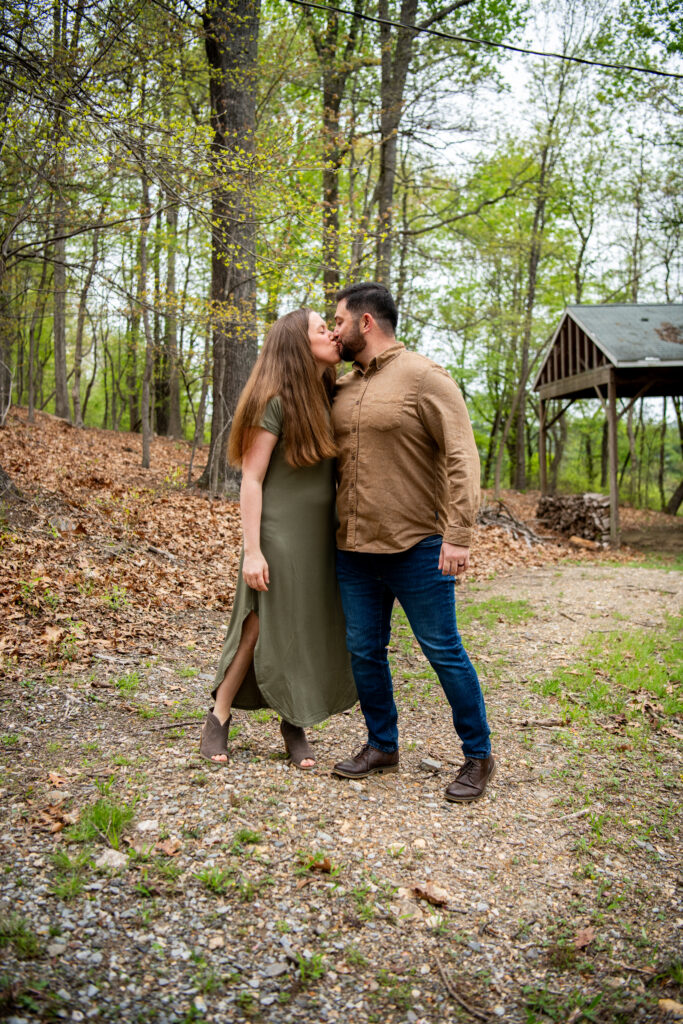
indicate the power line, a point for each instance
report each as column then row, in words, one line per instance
column 485, row 42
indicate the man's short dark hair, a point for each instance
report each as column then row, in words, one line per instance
column 370, row 297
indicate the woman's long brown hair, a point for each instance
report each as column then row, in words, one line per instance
column 286, row 367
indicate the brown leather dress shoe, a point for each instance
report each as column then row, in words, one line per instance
column 368, row 761
column 470, row 782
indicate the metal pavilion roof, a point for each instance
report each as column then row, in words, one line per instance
column 621, row 350
column 642, row 342
column 634, row 333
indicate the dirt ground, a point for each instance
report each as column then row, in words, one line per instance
column 259, row 892
column 147, row 943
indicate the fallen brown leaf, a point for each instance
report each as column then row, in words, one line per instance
column 324, row 865
column 432, row 893
column 584, row 937
column 169, row 847
column 672, row 1008
column 52, row 634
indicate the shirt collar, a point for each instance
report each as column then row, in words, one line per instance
column 377, row 362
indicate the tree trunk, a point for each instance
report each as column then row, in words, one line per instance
column 548, row 156
column 78, row 353
column 146, row 404
column 36, row 317
column 634, row 454
column 174, row 427
column 332, row 160
column 335, row 67
column 590, row 470
column 64, row 52
column 488, row 462
column 132, row 353
column 231, row 28
column 395, row 65
column 530, row 302
column 636, row 248
column 110, row 420
column 604, row 455
column 7, row 488
column 675, row 501
column 59, row 313
column 662, row 458
column 93, row 375
column 201, row 411
column 158, row 396
column 559, row 432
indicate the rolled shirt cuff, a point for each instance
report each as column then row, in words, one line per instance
column 461, row 536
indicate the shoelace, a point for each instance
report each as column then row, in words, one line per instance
column 467, row 769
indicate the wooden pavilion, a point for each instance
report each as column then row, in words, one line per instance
column 621, row 350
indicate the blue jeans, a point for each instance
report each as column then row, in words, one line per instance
column 369, row 584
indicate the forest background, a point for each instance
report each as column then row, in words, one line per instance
column 175, row 176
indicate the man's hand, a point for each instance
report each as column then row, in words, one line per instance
column 453, row 560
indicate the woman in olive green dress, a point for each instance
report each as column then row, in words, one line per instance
column 285, row 646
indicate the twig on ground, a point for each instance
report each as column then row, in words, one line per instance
column 500, row 515
column 160, row 551
column 627, row 967
column 564, row 817
column 453, row 993
column 525, row 924
column 532, row 723
column 173, row 725
column 654, row 590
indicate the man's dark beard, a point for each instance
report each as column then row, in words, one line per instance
column 354, row 345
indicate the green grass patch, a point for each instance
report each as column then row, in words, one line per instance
column 106, row 819
column 672, row 561
column 263, row 715
column 216, row 880
column 393, row 990
column 147, row 711
column 15, row 932
column 186, row 711
column 494, row 610
column 128, row 683
column 624, row 672
column 244, row 837
column 70, row 873
column 311, row 968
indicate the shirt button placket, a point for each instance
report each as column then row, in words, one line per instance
column 354, row 459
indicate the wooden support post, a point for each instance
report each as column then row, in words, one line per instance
column 613, row 461
column 542, row 467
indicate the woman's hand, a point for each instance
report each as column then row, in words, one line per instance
column 255, row 571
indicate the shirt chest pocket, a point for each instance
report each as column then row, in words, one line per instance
column 381, row 413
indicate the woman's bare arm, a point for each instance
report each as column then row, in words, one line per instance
column 255, row 464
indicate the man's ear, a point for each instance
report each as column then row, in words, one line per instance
column 366, row 322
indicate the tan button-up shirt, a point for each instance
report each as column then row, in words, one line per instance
column 407, row 463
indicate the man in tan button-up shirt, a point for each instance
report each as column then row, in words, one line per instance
column 408, row 495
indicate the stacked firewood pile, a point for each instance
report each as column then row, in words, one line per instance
column 578, row 515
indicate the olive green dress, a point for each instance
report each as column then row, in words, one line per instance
column 301, row 667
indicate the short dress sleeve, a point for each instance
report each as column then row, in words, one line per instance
column 272, row 416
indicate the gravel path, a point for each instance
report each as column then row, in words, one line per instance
column 260, row 892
